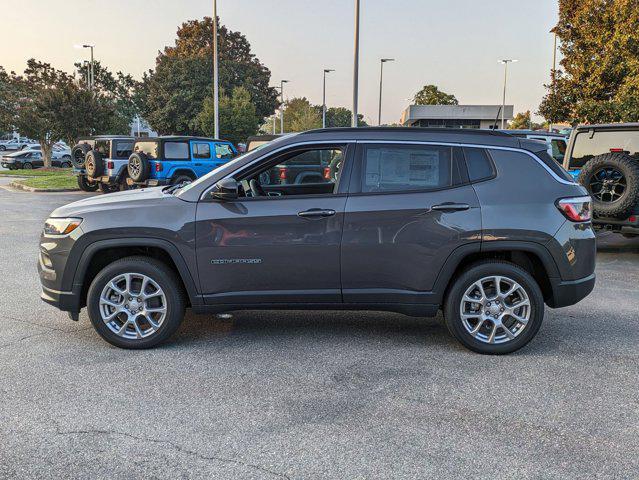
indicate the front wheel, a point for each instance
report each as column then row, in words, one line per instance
column 27, row 166
column 495, row 307
column 135, row 302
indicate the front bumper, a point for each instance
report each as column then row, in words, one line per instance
column 569, row 292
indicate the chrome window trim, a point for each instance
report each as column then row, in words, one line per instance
column 399, row 142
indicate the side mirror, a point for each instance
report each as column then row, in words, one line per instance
column 225, row 189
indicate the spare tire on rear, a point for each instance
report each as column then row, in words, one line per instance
column 94, row 165
column 78, row 154
column 138, row 167
column 612, row 179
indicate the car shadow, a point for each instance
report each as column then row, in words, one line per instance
column 609, row 242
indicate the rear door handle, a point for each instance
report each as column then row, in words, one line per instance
column 450, row 207
column 316, row 213
column 197, row 164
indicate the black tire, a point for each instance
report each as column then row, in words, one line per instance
column 160, row 274
column 181, row 179
column 27, row 166
column 65, row 165
column 612, row 172
column 78, row 154
column 105, row 188
column 85, row 185
column 138, row 167
column 123, row 185
column 2, row 148
column 94, row 165
column 477, row 271
column 630, row 235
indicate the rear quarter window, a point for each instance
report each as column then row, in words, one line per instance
column 123, row 149
column 480, row 166
column 176, row 151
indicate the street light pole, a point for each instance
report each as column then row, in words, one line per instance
column 381, row 77
column 326, row 70
column 216, row 87
column 355, row 66
column 554, row 71
column 282, row 107
column 505, row 62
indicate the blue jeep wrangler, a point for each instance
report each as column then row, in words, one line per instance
column 174, row 160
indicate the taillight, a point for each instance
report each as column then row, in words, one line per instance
column 158, row 167
column 327, row 173
column 632, row 218
column 576, row 209
column 283, row 172
column 110, row 165
column 616, row 150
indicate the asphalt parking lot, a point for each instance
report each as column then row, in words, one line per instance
column 313, row 395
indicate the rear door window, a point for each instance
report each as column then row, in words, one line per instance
column 400, row 168
column 589, row 144
column 176, row 151
column 202, row 150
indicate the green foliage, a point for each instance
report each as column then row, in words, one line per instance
column 341, row 117
column 300, row 115
column 523, row 121
column 48, row 105
column 238, row 112
column 172, row 96
column 431, row 95
column 599, row 76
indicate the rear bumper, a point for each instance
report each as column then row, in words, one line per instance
column 152, row 182
column 569, row 292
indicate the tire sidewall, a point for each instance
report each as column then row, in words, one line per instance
column 85, row 186
column 144, row 167
column 164, row 278
column 476, row 272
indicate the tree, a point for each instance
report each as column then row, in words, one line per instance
column 5, row 106
column 523, row 121
column 48, row 105
column 300, row 115
column 431, row 95
column 599, row 76
column 172, row 95
column 238, row 112
column 341, row 117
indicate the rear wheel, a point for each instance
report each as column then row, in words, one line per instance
column 135, row 302
column 106, row 188
column 495, row 307
column 65, row 165
column 27, row 166
column 85, row 185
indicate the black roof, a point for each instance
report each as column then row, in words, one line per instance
column 407, row 130
column 525, row 131
column 176, row 138
column 105, row 137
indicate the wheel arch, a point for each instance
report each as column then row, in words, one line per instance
column 532, row 257
column 182, row 171
column 101, row 253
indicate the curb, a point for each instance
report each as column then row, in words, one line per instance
column 19, row 186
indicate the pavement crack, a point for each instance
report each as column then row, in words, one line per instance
column 22, row 339
column 175, row 446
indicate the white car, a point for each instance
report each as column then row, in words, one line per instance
column 555, row 142
column 56, row 154
column 16, row 144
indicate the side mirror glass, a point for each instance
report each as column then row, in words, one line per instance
column 225, row 189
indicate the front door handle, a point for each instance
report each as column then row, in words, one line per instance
column 450, row 207
column 316, row 213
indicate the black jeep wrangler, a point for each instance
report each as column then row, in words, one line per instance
column 100, row 162
column 605, row 160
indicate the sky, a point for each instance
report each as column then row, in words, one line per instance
column 454, row 44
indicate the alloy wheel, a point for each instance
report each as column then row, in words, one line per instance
column 495, row 309
column 133, row 306
column 607, row 184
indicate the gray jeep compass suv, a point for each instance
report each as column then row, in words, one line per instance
column 482, row 225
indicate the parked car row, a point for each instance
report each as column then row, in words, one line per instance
column 113, row 163
column 31, row 157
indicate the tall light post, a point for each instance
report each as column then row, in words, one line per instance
column 91, row 78
column 381, row 77
column 282, row 107
column 355, row 66
column 326, row 70
column 505, row 62
column 216, row 79
column 554, row 70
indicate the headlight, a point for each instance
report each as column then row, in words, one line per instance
column 61, row 226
